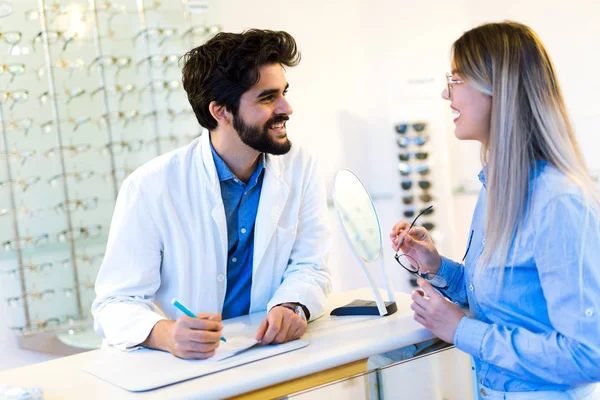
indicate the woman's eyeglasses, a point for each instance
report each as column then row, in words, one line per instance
column 451, row 82
column 411, row 265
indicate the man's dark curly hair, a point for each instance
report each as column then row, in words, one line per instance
column 227, row 65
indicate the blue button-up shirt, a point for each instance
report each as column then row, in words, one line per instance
column 539, row 330
column 241, row 205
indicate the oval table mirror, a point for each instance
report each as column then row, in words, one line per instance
column 360, row 224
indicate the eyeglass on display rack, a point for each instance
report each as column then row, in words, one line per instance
column 22, row 183
column 76, row 233
column 74, row 205
column 25, row 241
column 17, row 97
column 53, row 37
column 13, row 69
column 15, row 154
column 77, row 177
column 11, row 37
column 21, row 125
column 160, row 61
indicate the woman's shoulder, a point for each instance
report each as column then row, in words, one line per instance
column 550, row 186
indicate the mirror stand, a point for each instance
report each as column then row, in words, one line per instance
column 371, row 307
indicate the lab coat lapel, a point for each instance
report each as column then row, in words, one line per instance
column 214, row 187
column 273, row 197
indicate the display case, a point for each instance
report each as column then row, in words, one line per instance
column 89, row 90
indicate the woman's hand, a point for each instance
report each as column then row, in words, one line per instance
column 416, row 243
column 434, row 312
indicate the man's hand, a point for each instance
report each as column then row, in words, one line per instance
column 435, row 313
column 281, row 325
column 195, row 338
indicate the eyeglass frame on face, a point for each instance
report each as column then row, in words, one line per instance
column 451, row 82
column 418, row 271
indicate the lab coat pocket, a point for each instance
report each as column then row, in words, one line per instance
column 284, row 243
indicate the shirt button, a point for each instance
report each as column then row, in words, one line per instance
column 243, row 230
column 220, row 278
column 234, row 259
column 471, row 287
column 589, row 312
column 483, row 242
column 236, row 180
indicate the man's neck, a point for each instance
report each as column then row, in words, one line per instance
column 239, row 157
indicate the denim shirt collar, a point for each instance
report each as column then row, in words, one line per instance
column 223, row 171
column 536, row 170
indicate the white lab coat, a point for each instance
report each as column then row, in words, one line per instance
column 168, row 239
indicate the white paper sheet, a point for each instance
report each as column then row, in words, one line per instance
column 233, row 346
column 147, row 369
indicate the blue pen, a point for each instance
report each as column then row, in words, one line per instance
column 187, row 312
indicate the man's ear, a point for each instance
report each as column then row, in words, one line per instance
column 220, row 113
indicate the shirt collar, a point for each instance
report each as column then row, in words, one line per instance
column 536, row 170
column 223, row 171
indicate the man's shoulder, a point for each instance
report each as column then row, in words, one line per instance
column 166, row 166
column 297, row 159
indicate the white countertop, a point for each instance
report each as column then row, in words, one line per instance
column 334, row 341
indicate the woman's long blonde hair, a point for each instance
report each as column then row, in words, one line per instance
column 529, row 122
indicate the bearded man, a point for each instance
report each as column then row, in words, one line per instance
column 232, row 224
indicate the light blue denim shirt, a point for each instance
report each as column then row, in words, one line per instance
column 541, row 329
column 240, row 201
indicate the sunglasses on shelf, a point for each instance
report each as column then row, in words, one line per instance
column 418, row 127
column 406, row 141
column 419, row 155
column 406, row 185
column 406, row 169
column 424, row 211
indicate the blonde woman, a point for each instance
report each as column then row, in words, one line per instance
column 531, row 275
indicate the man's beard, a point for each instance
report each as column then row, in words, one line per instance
column 259, row 139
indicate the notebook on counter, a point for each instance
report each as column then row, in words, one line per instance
column 147, row 369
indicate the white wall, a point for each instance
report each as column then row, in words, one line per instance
column 368, row 64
